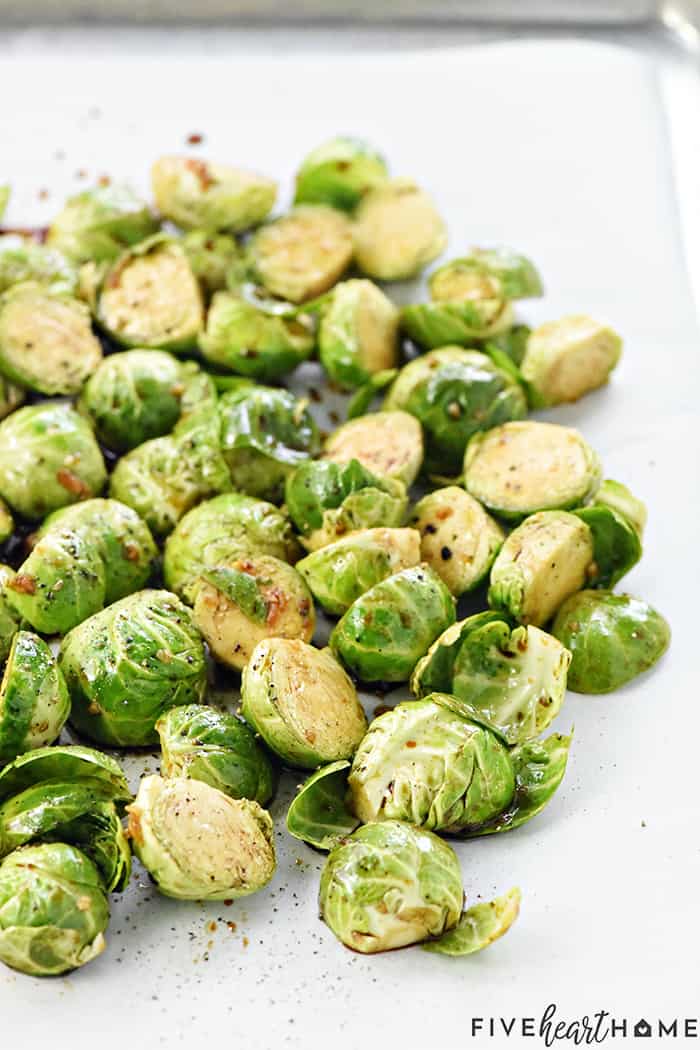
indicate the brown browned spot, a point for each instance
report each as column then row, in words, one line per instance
column 410, row 743
column 200, row 169
column 130, row 551
column 104, row 180
column 277, row 602
column 72, row 483
column 134, row 829
column 443, row 513
column 195, row 138
column 23, row 584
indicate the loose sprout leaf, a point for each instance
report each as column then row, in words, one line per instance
column 318, row 815
column 68, row 762
column 617, row 546
column 479, row 926
column 100, row 835
column 361, row 400
column 241, row 588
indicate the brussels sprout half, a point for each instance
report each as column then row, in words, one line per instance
column 22, row 259
column 302, row 703
column 434, row 325
column 358, row 334
column 68, row 764
column 48, row 458
column 197, row 842
column 612, row 638
column 387, row 629
column 194, row 193
column 9, row 621
column 97, row 224
column 211, row 257
column 397, row 231
column 318, row 813
column 303, row 254
column 479, row 926
column 389, row 444
column 568, row 358
column 514, row 678
column 53, row 910
column 339, row 172
column 34, row 703
column 484, row 274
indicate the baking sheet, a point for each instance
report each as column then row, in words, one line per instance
column 562, row 150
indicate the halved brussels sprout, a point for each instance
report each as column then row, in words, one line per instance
column 386, row 630
column 339, row 172
column 265, row 434
column 512, row 677
column 302, row 703
column 389, row 444
column 22, row 259
column 486, row 273
column 522, row 467
column 302, row 254
column 612, row 638
column 397, row 231
column 34, row 703
column 251, row 342
column 479, row 926
column 454, row 393
column 566, row 359
column 11, row 397
column 327, row 500
column 458, row 539
column 340, row 572
column 128, row 664
column 436, row 324
column 9, row 621
column 198, row 843
column 194, row 193
column 389, row 885
column 358, row 335
column 150, row 297
column 544, row 560
column 99, row 223
column 211, row 256
column 216, row 747
column 48, row 458
column 53, row 910
column 68, row 764
column 318, row 813
column 254, row 596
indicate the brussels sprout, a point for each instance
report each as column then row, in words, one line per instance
column 612, row 638
column 53, row 910
column 358, row 335
column 618, row 497
column 22, row 259
column 568, row 358
column 340, row 572
column 211, row 256
column 390, row 885
column 461, row 324
column 302, row 703
column 318, row 813
column 48, row 458
column 521, row 467
column 194, row 193
column 486, row 273
column 545, row 560
column 217, row 530
column 458, row 539
column 454, row 393
column 326, row 500
column 251, row 597
column 68, row 763
column 253, row 343
column 150, row 297
column 513, row 678
column 8, row 617
column 479, row 926
column 198, row 843
column 397, row 231
column 386, row 631
column 265, row 434
column 86, row 556
column 97, row 224
column 34, row 702
column 11, row 397
column 339, row 173
column 128, row 664
column 389, row 444
column 303, row 254
column 215, row 747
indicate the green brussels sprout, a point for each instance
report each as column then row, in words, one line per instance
column 612, row 638
column 522, row 467
column 219, row 529
column 97, row 224
column 458, row 539
column 397, row 231
column 437, row 324
column 254, row 596
column 544, row 560
column 86, row 556
column 389, row 885
column 34, row 703
column 386, row 630
column 326, row 500
column 53, row 910
column 265, row 434
column 126, row 665
column 7, row 522
column 197, row 194
column 48, row 458
column 22, row 259
column 568, row 358
column 249, row 341
column 514, row 678
column 303, row 254
column 211, row 256
column 149, row 297
column 390, row 444
column 46, row 340
column 618, row 497
column 302, row 703
column 358, row 335
column 11, row 397
column 318, row 813
column 9, row 622
column 455, row 393
column 486, row 273
column 198, row 843
column 340, row 572
column 216, row 747
column 479, row 926
column 339, row 172
column 68, row 764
